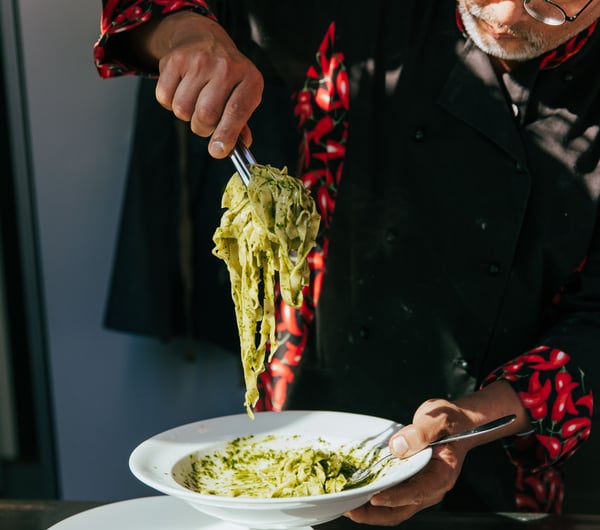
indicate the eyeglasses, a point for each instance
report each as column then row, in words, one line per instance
column 549, row 13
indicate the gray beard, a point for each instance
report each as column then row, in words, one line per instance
column 534, row 47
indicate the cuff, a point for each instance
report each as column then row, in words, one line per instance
column 554, row 392
column 119, row 16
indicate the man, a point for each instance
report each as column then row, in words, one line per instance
column 453, row 150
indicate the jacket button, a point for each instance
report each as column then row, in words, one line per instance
column 461, row 363
column 363, row 332
column 419, row 135
column 494, row 269
column 391, row 236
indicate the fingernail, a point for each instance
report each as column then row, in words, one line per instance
column 399, row 445
column 380, row 500
column 217, row 147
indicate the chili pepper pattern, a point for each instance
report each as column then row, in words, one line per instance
column 553, row 391
column 321, row 108
column 560, row 405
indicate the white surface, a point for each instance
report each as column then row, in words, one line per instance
column 148, row 513
column 154, row 463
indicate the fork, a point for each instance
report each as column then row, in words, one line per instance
column 242, row 157
column 361, row 474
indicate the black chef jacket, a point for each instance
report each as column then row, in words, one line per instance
column 467, row 203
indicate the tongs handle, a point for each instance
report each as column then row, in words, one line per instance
column 242, row 157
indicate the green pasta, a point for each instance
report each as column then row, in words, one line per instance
column 265, row 235
column 256, row 469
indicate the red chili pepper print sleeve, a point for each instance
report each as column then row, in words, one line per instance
column 123, row 15
column 560, row 405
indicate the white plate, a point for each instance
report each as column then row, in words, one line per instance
column 162, row 460
column 147, row 513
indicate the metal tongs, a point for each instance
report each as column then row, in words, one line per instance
column 242, row 158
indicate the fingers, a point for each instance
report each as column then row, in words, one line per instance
column 381, row 516
column 427, row 488
column 177, row 86
column 216, row 95
column 203, row 78
column 232, row 121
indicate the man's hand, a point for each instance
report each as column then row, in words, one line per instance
column 432, row 420
column 204, row 79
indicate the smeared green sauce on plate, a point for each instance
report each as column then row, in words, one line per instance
column 256, row 468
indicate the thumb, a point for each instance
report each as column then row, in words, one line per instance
column 433, row 419
column 411, row 439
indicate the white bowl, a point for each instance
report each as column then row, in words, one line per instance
column 159, row 461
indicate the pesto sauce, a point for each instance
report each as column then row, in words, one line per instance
column 256, row 468
column 264, row 225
